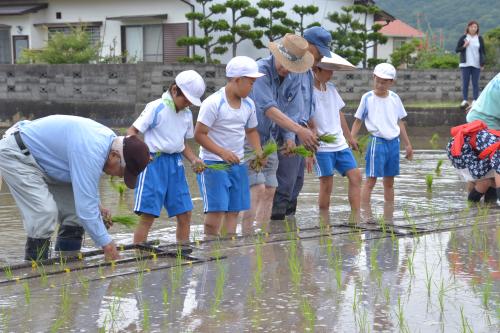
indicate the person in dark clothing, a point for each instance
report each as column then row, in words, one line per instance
column 472, row 59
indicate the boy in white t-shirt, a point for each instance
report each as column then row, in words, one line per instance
column 225, row 118
column 166, row 123
column 330, row 156
column 382, row 112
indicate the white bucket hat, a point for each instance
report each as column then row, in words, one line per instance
column 192, row 85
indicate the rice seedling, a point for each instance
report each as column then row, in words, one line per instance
column 437, row 170
column 487, row 287
column 5, row 315
column 43, row 274
column 355, row 299
column 220, row 282
column 164, row 292
column 27, row 292
column 428, row 279
column 301, row 151
column 8, row 271
column 362, row 321
column 129, row 221
column 308, row 314
column 327, row 138
column 257, row 161
column 118, row 186
column 465, row 323
column 218, row 166
column 441, row 294
column 381, row 222
column 429, row 179
column 387, row 294
column 434, row 141
column 294, row 264
column 411, row 268
column 362, row 143
column 146, row 322
column 403, row 327
column 84, row 281
column 257, row 275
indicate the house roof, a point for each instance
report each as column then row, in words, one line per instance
column 398, row 28
column 21, row 9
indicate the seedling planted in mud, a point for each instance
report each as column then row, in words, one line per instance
column 308, row 314
column 434, row 141
column 8, row 271
column 429, row 179
column 220, row 281
column 146, row 322
column 465, row 323
column 437, row 170
column 27, row 292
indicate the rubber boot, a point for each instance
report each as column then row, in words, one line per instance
column 37, row 249
column 69, row 239
column 475, row 196
column 491, row 195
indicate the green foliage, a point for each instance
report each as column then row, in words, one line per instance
column 275, row 23
column 209, row 26
column 436, row 59
column 353, row 37
column 406, row 54
column 72, row 48
column 304, row 11
column 492, row 45
column 372, row 62
column 238, row 32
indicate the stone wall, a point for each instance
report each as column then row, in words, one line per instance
column 115, row 94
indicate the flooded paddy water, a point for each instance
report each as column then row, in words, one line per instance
column 428, row 264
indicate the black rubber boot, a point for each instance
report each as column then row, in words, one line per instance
column 474, row 196
column 491, row 195
column 37, row 249
column 69, row 239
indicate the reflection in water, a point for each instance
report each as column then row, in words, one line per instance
column 300, row 276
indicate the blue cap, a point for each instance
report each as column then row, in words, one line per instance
column 320, row 38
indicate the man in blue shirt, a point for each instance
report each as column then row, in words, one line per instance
column 290, row 173
column 278, row 101
column 41, row 159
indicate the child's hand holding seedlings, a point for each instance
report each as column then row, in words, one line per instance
column 258, row 162
column 198, row 166
column 229, row 157
column 288, row 147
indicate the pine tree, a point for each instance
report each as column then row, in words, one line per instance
column 275, row 23
column 304, row 11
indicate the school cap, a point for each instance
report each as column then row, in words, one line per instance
column 134, row 154
column 192, row 85
column 242, row 66
column 320, row 38
column 385, row 71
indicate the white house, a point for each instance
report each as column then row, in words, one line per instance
column 397, row 33
column 147, row 30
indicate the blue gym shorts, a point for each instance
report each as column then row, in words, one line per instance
column 382, row 157
column 163, row 183
column 224, row 191
column 327, row 162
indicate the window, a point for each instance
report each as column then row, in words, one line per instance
column 93, row 31
column 19, row 44
column 143, row 43
column 397, row 43
column 5, row 50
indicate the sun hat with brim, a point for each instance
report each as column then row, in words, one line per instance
column 243, row 66
column 335, row 63
column 192, row 85
column 292, row 52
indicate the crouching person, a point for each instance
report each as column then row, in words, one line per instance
column 56, row 160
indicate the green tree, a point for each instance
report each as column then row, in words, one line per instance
column 369, row 36
column 406, row 54
column 239, row 32
column 492, row 45
column 209, row 26
column 275, row 23
column 345, row 39
column 72, row 48
column 354, row 37
column 436, row 58
column 304, row 11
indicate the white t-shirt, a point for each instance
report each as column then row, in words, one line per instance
column 471, row 52
column 227, row 125
column 165, row 129
column 381, row 114
column 327, row 117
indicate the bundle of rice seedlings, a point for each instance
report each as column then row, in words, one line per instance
column 218, row 166
column 128, row 221
column 301, row 151
column 327, row 138
column 257, row 163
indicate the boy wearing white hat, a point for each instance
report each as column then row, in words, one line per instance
column 225, row 118
column 330, row 120
column 166, row 123
column 382, row 112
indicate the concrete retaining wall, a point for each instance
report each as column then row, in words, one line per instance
column 115, row 94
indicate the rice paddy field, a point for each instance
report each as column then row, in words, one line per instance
column 430, row 263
